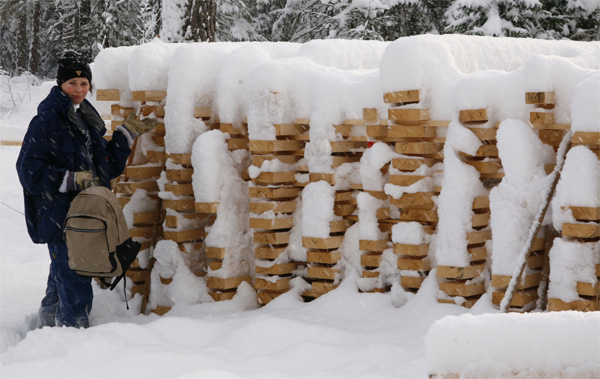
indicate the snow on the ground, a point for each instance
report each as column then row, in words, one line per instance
column 344, row 333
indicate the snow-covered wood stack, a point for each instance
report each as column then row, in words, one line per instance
column 290, row 165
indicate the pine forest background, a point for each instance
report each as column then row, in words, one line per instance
column 34, row 33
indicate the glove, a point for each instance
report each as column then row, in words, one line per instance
column 80, row 180
column 138, row 127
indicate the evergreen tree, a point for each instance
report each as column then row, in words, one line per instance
column 235, row 21
column 150, row 20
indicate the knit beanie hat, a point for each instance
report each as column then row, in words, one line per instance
column 73, row 65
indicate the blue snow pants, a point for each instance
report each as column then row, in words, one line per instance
column 69, row 296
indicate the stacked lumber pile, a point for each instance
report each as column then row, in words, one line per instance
column 584, row 234
column 273, row 201
column 415, row 136
column 465, row 284
column 142, row 172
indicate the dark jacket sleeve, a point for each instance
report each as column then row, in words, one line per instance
column 37, row 166
column 117, row 152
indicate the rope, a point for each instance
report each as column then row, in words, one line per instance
column 18, row 211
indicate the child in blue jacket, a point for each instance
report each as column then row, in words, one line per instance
column 63, row 153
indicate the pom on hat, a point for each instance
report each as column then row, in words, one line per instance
column 73, row 65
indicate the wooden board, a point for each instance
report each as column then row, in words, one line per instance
column 274, row 193
column 481, row 202
column 539, row 97
column 468, row 272
column 405, row 180
column 417, row 251
column 541, row 118
column 477, row 253
column 181, row 175
column 120, row 111
column 271, row 223
column 479, row 236
column 417, row 200
column 203, row 111
column 401, row 97
column 180, row 189
column 529, row 281
column 173, row 220
column 473, row 115
column 486, row 167
column 328, row 243
column 107, row 95
column 215, row 252
column 272, row 238
column 182, row 159
column 422, row 215
column 286, row 207
column 258, row 160
column 347, row 146
column 130, row 187
column 226, row 283
column 180, row 204
column 154, row 156
column 484, row 151
column 280, row 284
column 269, row 147
column 343, row 209
column 276, row 269
column 414, row 264
column 411, row 131
column 144, row 231
column 577, row 305
column 585, row 213
column 290, row 129
column 314, row 177
column 158, row 110
column 370, row 245
column 143, row 172
column 340, row 226
column 371, row 115
column 323, row 287
column 371, row 260
column 588, row 289
column 480, row 219
column 185, row 235
column 551, row 137
column 408, row 114
column 412, row 164
column 149, row 95
column 268, row 251
column 322, row 272
column 377, row 131
column 462, row 289
column 418, row 148
column 520, row 298
column 323, row 257
column 210, row 208
column 222, row 295
column 147, row 218
column 411, row 281
column 266, row 178
column 586, row 138
column 588, row 230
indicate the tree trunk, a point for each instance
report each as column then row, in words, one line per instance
column 34, row 63
column 200, row 21
column 22, row 45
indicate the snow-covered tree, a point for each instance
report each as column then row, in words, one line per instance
column 149, row 20
column 509, row 18
column 235, row 21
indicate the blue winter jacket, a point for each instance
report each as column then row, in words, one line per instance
column 55, row 143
